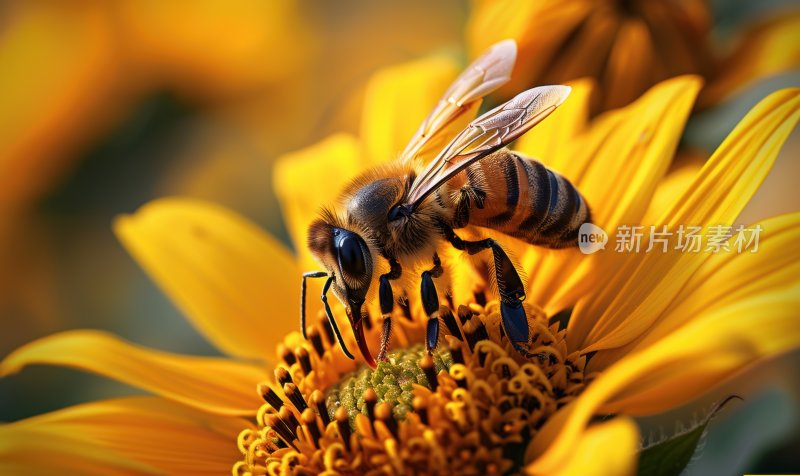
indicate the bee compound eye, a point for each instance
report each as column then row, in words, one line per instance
column 351, row 255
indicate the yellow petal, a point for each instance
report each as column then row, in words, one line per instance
column 609, row 448
column 638, row 152
column 308, row 179
column 683, row 366
column 642, row 288
column 140, row 435
column 723, row 279
column 720, row 192
column 726, row 341
column 548, row 141
column 398, row 98
column 234, row 282
column 767, row 48
column 635, row 145
column 211, row 384
column 674, row 185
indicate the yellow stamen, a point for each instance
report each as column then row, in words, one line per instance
column 474, row 404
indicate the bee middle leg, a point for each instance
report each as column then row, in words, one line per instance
column 430, row 302
column 509, row 285
column 386, row 298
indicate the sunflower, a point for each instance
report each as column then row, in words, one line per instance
column 630, row 45
column 647, row 332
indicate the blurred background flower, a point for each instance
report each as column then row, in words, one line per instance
column 107, row 105
column 629, row 45
column 83, row 83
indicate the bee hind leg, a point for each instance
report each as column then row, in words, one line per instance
column 509, row 285
column 386, row 298
column 430, row 302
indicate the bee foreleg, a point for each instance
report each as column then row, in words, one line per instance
column 509, row 286
column 430, row 302
column 329, row 313
column 310, row 274
column 386, row 298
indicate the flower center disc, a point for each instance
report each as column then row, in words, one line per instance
column 392, row 382
column 473, row 406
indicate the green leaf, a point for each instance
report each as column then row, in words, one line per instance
column 670, row 457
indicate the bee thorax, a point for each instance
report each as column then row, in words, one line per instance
column 413, row 235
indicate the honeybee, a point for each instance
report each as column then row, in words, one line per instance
column 401, row 213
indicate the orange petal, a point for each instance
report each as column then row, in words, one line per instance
column 630, row 64
column 645, row 285
column 540, row 29
column 140, row 435
column 211, row 384
column 586, row 53
column 683, row 366
column 609, row 448
column 233, row 281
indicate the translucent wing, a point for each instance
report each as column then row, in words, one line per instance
column 487, row 73
column 486, row 134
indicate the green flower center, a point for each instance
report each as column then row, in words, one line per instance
column 391, row 381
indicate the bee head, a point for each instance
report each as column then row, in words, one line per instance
column 346, row 257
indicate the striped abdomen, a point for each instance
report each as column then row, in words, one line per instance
column 519, row 197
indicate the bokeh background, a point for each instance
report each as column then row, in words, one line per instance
column 107, row 105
